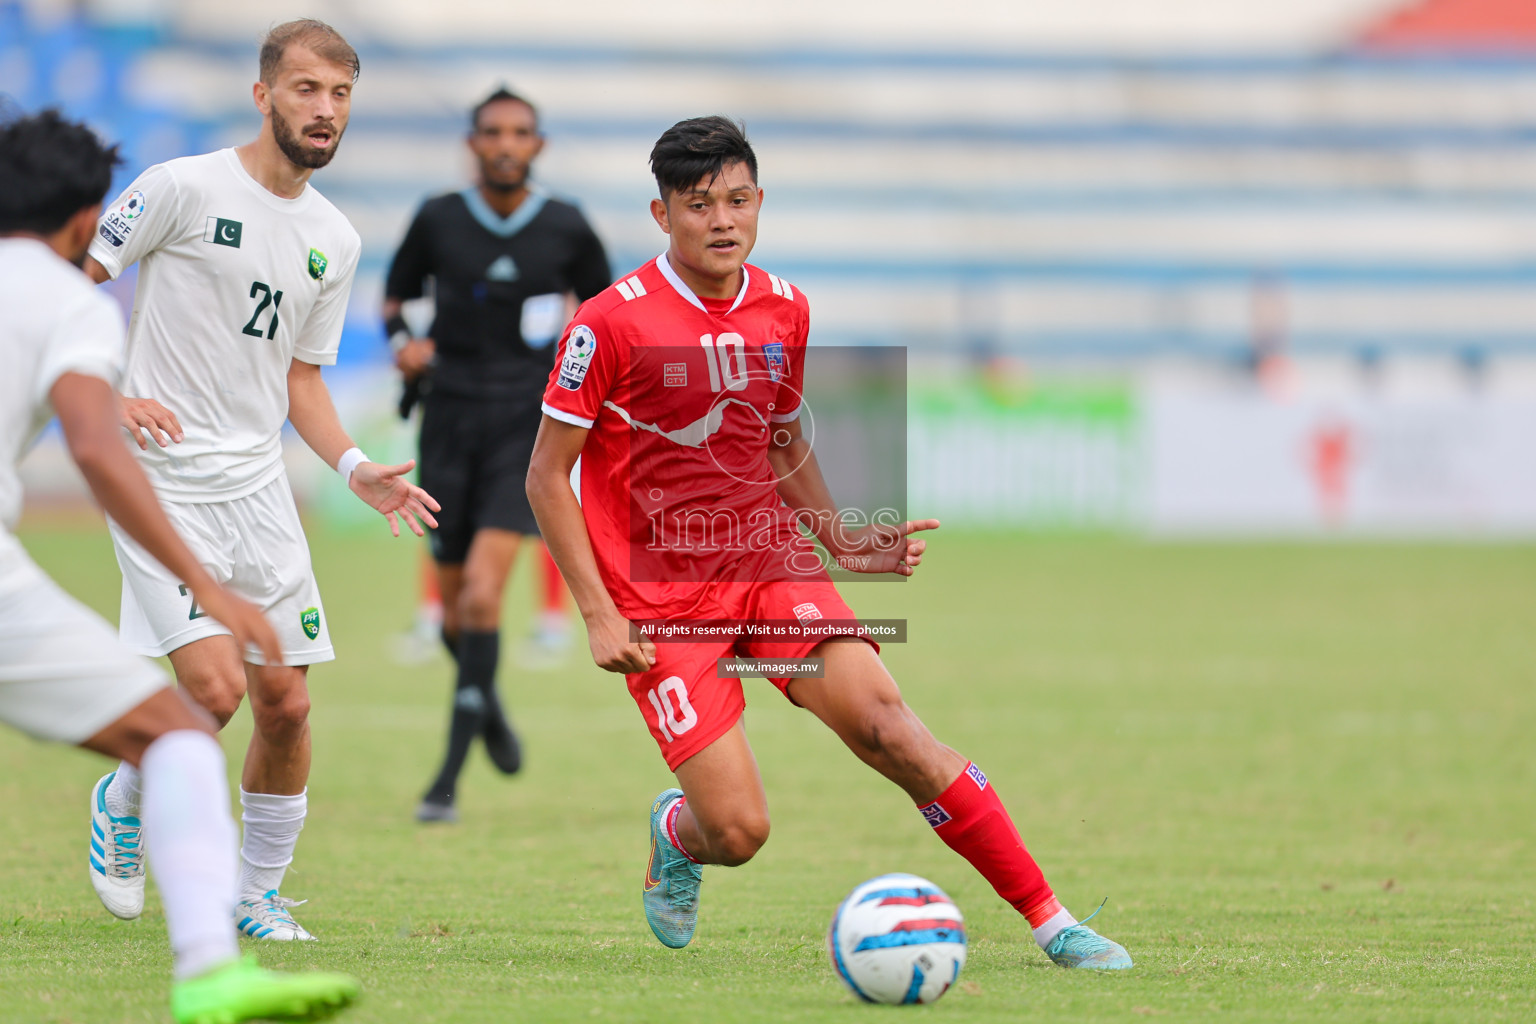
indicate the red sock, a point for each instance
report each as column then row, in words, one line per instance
column 554, row 586
column 431, row 596
column 973, row 822
column 671, row 825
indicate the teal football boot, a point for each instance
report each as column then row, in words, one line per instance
column 1081, row 946
column 671, row 881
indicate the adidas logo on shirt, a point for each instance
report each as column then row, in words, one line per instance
column 503, row 269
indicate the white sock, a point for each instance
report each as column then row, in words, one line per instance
column 186, row 809
column 272, row 824
column 1054, row 926
column 124, row 794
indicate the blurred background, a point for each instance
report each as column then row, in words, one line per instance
column 1190, row 267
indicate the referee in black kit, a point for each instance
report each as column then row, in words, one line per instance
column 504, row 258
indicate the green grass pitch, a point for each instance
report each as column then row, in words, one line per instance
column 1303, row 775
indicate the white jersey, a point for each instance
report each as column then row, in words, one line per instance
column 234, row 284
column 56, row 322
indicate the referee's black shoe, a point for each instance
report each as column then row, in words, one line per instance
column 500, row 741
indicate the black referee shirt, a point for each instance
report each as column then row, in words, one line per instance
column 500, row 287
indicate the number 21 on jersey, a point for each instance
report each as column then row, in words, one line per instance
column 268, row 298
column 726, row 357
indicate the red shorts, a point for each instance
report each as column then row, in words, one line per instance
column 683, row 702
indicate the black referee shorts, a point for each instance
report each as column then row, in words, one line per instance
column 474, row 461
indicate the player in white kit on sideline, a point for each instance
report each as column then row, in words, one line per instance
column 244, row 275
column 63, row 675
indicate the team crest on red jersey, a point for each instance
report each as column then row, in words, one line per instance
column 774, row 350
column 675, row 375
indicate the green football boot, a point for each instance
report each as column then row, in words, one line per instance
column 1081, row 946
column 243, row 990
column 671, row 881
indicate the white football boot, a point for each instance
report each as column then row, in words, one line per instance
column 117, row 857
column 267, row 917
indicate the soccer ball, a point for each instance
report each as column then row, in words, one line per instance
column 897, row 939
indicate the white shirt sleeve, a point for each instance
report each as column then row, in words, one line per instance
column 87, row 339
column 144, row 218
column 320, row 337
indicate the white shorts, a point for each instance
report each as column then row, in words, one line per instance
column 63, row 675
column 253, row 545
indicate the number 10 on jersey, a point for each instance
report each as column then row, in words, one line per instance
column 726, row 357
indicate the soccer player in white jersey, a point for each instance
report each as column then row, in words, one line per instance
column 244, row 274
column 63, row 676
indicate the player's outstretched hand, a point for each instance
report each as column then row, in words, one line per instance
column 612, row 648
column 145, row 415
column 885, row 547
column 386, row 489
column 244, row 619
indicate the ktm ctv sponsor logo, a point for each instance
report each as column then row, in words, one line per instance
column 935, row 814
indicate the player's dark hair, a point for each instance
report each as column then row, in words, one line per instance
column 50, row 170
column 696, row 148
column 501, row 94
column 313, row 35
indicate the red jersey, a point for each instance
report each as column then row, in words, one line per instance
column 682, row 397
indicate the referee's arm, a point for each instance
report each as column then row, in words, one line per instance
column 408, row 273
column 589, row 272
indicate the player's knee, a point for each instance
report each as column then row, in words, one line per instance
column 281, row 713
column 479, row 606
column 739, row 842
column 217, row 693
column 884, row 726
column 897, row 744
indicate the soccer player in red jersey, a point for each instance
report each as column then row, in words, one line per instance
column 679, row 388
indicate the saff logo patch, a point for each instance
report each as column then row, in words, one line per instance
column 580, row 346
column 317, row 264
column 310, row 620
column 935, row 815
column 133, row 207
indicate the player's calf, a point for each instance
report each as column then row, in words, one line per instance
column 724, row 819
column 857, row 698
column 729, row 840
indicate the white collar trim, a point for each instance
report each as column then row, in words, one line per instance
column 687, row 293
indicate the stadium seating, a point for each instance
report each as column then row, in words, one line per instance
column 1029, row 203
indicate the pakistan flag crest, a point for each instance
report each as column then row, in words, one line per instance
column 310, row 620
column 317, row 264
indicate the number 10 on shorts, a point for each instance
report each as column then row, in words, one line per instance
column 674, row 715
